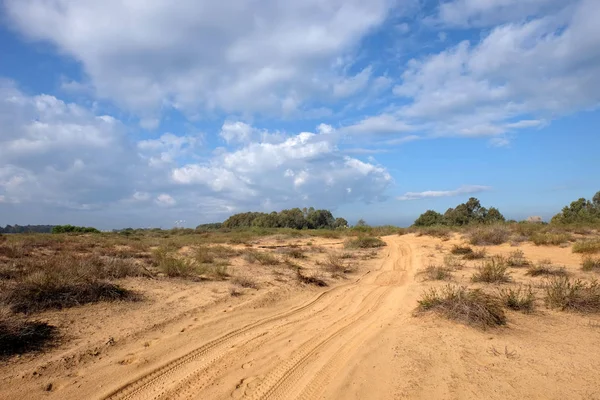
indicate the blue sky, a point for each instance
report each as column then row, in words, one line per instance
column 135, row 113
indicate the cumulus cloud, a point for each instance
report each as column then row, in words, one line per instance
column 241, row 56
column 469, row 189
column 542, row 67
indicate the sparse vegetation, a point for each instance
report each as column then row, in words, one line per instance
column 492, row 271
column 517, row 259
column 590, row 264
column 245, row 282
column 261, row 257
column 520, row 299
column 461, row 250
column 310, row 280
column 587, row 246
column 453, row 262
column 437, row 273
column 336, row 265
column 19, row 335
column 489, row 235
column 548, row 238
column 546, row 270
column 469, row 306
column 573, row 295
column 476, row 254
column 364, row 242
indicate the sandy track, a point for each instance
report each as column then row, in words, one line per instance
column 293, row 354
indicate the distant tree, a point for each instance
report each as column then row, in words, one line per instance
column 429, row 218
column 580, row 211
column 340, row 223
column 361, row 222
column 493, row 216
column 73, row 229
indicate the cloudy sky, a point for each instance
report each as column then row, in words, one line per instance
column 140, row 113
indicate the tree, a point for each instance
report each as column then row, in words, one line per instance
column 493, row 216
column 429, row 218
column 340, row 223
column 361, row 222
column 579, row 211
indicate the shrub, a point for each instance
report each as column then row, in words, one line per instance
column 453, row 262
column 489, row 235
column 245, row 282
column 18, row 335
column 262, row 258
column 521, row 299
column 296, row 253
column 175, row 267
column 438, row 231
column 437, row 273
column 546, row 270
column 473, row 307
column 587, row 246
column 461, row 250
column 548, row 238
column 364, row 242
column 517, row 259
column 577, row 295
column 309, row 280
column 475, row 255
column 591, row 264
column 493, row 271
column 335, row 264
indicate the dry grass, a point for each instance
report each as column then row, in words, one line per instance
column 590, row 264
column 437, row 273
column 309, row 280
column 574, row 295
column 261, row 257
column 461, row 250
column 550, row 239
column 587, row 246
column 476, row 255
column 245, row 282
column 520, row 299
column 454, row 263
column 517, row 259
column 442, row 232
column 546, row 270
column 472, row 307
column 335, row 264
column 492, row 271
column 364, row 242
column 489, row 235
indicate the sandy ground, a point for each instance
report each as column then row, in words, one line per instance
column 357, row 339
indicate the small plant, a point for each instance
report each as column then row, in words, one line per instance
column 472, row 307
column 234, row 292
column 175, row 267
column 263, row 258
column 364, row 242
column 19, row 335
column 245, row 282
column 461, row 250
column 587, row 246
column 546, row 270
column 335, row 264
column 437, row 273
column 517, row 259
column 296, row 253
column 590, row 264
column 489, row 235
column 309, row 280
column 492, row 271
column 475, row 255
column 577, row 295
column 521, row 299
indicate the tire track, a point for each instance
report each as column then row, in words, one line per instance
column 153, row 379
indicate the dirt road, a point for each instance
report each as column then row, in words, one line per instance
column 298, row 353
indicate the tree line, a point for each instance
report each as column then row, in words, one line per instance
column 295, row 218
column 26, row 229
column 580, row 211
column 467, row 213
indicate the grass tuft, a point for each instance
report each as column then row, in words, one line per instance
column 492, row 271
column 587, row 246
column 546, row 270
column 590, row 264
column 364, row 242
column 469, row 306
column 489, row 235
column 517, row 259
column 437, row 273
column 566, row 294
column 521, row 299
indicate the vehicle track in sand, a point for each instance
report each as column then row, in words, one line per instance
column 327, row 330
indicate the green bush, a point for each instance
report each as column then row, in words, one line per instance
column 364, row 242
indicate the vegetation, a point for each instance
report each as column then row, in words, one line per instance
column 19, row 335
column 468, row 213
column 489, row 236
column 581, row 211
column 546, row 270
column 549, row 238
column 437, row 273
column 364, row 242
column 294, row 218
column 587, row 246
column 469, row 306
column 517, row 259
column 27, row 229
column 566, row 294
column 520, row 299
column 590, row 264
column 73, row 229
column 492, row 271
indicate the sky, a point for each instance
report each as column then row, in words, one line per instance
column 137, row 113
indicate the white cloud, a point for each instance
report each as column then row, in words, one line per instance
column 352, row 85
column 165, row 200
column 383, row 123
column 541, row 68
column 236, row 132
column 167, row 148
column 197, row 55
column 469, row 189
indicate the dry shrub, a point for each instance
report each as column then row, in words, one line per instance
column 549, row 238
column 295, row 253
column 472, row 307
column 475, row 255
column 461, row 250
column 489, row 235
column 587, row 246
column 520, row 299
column 263, row 258
column 590, row 264
column 19, row 335
column 245, row 282
column 336, row 265
column 546, row 270
column 173, row 266
column 492, row 271
column 577, row 295
column 364, row 242
column 453, row 262
column 442, row 232
column 517, row 259
column 309, row 280
column 437, row 273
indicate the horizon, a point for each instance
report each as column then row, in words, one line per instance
column 194, row 111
